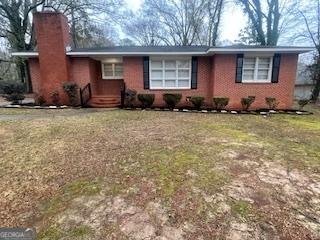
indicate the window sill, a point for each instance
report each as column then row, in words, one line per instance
column 185, row 88
column 256, row 82
column 112, row 78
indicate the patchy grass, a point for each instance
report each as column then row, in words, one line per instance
column 242, row 209
column 55, row 233
column 51, row 233
column 186, row 167
column 70, row 192
column 308, row 124
column 113, row 174
column 80, row 231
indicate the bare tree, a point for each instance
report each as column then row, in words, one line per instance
column 311, row 32
column 143, row 28
column 267, row 20
column 17, row 28
column 181, row 20
column 17, row 22
column 177, row 22
column 214, row 12
column 85, row 15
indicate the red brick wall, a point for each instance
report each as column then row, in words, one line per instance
column 80, row 71
column 216, row 77
column 133, row 76
column 216, row 74
column 224, row 83
column 107, row 86
column 52, row 33
column 34, row 68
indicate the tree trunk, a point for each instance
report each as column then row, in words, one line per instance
column 73, row 29
column 316, row 76
column 316, row 90
column 29, row 87
column 24, row 74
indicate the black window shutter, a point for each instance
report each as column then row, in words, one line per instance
column 194, row 73
column 276, row 68
column 239, row 68
column 146, row 82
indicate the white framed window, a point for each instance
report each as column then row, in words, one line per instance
column 170, row 73
column 112, row 70
column 257, row 69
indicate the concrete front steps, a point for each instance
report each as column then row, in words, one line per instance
column 102, row 101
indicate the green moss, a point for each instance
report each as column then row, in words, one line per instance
column 71, row 191
column 227, row 131
column 54, row 233
column 115, row 189
column 242, row 209
column 83, row 187
column 51, row 233
column 181, row 168
column 305, row 123
column 80, row 231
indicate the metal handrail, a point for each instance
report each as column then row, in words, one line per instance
column 85, row 95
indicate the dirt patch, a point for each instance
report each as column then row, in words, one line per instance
column 99, row 212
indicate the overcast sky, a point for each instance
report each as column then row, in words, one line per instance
column 232, row 22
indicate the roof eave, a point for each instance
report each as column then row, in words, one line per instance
column 24, row 54
column 210, row 51
column 84, row 54
column 297, row 50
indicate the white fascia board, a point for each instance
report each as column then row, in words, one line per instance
column 261, row 50
column 133, row 53
column 24, row 54
column 210, row 51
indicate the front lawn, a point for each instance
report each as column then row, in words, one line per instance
column 100, row 174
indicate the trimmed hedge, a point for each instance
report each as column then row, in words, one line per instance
column 172, row 99
column 247, row 102
column 272, row 102
column 146, row 99
column 55, row 98
column 302, row 103
column 197, row 101
column 41, row 100
column 220, row 102
column 71, row 89
column 130, row 97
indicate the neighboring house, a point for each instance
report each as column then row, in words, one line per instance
column 234, row 72
column 304, row 84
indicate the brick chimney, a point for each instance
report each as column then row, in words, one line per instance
column 52, row 32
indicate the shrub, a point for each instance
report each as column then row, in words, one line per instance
column 272, row 102
column 2, row 85
column 247, row 102
column 197, row 101
column 130, row 97
column 13, row 92
column 302, row 103
column 15, row 98
column 146, row 100
column 172, row 99
column 220, row 102
column 55, row 98
column 41, row 100
column 71, row 89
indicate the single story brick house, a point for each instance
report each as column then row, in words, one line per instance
column 233, row 72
